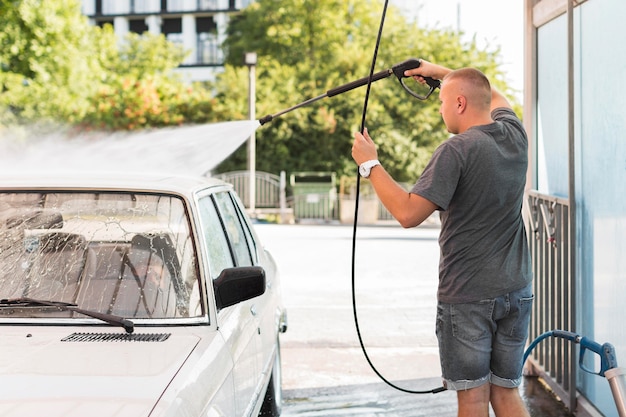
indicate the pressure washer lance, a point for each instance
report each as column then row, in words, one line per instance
column 397, row 70
column 608, row 363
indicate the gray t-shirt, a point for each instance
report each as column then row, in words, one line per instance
column 477, row 180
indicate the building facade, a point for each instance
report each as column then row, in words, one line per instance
column 574, row 113
column 198, row 25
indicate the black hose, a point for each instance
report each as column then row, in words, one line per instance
column 356, row 211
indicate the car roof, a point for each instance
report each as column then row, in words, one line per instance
column 109, row 181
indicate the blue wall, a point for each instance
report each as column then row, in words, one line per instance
column 600, row 130
column 602, row 188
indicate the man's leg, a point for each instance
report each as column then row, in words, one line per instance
column 474, row 402
column 464, row 335
column 507, row 402
column 508, row 351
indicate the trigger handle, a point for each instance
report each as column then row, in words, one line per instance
column 412, row 63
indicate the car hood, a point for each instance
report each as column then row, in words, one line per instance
column 68, row 374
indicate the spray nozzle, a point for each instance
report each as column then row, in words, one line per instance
column 266, row 119
column 397, row 69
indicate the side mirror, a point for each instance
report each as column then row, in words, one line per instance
column 235, row 285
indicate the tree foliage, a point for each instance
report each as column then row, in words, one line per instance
column 139, row 88
column 44, row 70
column 54, row 65
column 307, row 47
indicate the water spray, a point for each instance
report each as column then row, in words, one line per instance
column 397, row 70
column 182, row 150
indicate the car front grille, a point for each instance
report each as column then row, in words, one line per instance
column 116, row 337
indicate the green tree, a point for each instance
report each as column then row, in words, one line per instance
column 45, row 71
column 55, row 66
column 139, row 88
column 307, row 47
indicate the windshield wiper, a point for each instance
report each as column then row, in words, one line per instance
column 128, row 325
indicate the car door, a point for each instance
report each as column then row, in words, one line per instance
column 228, row 247
column 265, row 305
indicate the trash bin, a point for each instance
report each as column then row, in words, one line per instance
column 314, row 195
column 368, row 201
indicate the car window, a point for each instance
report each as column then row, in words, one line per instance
column 120, row 253
column 246, row 227
column 234, row 229
column 218, row 249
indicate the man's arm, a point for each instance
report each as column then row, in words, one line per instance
column 498, row 100
column 438, row 72
column 427, row 69
column 408, row 209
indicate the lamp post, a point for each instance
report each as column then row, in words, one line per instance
column 250, row 61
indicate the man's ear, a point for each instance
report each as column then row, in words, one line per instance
column 461, row 103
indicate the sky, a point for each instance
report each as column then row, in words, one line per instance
column 494, row 22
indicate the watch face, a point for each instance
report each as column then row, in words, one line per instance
column 364, row 171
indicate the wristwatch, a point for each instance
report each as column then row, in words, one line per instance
column 366, row 167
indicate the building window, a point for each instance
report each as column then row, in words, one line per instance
column 205, row 25
column 172, row 26
column 208, row 46
column 144, row 6
column 173, row 30
column 207, row 4
column 137, row 26
column 102, row 23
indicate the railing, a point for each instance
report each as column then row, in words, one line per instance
column 142, row 7
column 270, row 197
column 197, row 5
column 268, row 187
column 548, row 221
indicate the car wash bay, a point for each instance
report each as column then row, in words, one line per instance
column 324, row 370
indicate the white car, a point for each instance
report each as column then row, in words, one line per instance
column 134, row 295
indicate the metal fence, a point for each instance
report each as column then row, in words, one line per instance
column 271, row 194
column 268, row 187
column 548, row 220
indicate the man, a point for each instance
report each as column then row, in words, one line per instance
column 476, row 180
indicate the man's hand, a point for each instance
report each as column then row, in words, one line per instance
column 363, row 148
column 427, row 69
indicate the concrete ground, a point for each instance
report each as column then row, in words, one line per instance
column 325, row 372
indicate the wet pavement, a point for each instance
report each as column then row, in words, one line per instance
column 380, row 400
column 325, row 373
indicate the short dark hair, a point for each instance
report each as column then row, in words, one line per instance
column 481, row 87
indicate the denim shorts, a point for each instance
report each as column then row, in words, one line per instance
column 484, row 341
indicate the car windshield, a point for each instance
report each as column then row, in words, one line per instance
column 127, row 254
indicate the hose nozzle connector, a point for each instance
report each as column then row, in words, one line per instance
column 266, row 119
